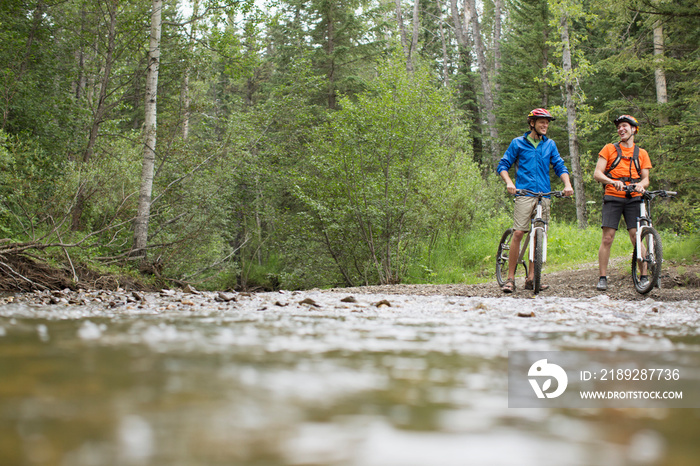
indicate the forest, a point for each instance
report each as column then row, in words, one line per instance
column 293, row 144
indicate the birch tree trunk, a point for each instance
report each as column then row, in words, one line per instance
column 545, row 63
column 577, row 173
column 445, row 59
column 460, row 32
column 81, row 81
column 404, row 41
column 659, row 73
column 185, row 96
column 498, row 6
column 467, row 86
column 330, row 31
column 150, row 133
column 414, row 37
column 471, row 15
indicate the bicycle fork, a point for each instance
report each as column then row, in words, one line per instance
column 641, row 252
column 531, row 252
column 643, row 223
column 533, row 235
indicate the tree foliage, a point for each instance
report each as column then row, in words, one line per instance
column 386, row 171
column 311, row 157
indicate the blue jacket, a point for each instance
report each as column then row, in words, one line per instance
column 532, row 165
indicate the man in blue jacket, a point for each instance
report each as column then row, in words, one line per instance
column 532, row 154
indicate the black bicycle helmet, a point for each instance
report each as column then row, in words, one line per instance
column 627, row 119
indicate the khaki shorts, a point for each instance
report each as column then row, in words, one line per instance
column 525, row 209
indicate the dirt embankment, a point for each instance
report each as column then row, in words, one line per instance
column 20, row 273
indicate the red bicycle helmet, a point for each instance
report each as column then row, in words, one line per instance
column 628, row 119
column 540, row 113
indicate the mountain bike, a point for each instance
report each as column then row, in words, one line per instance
column 648, row 251
column 536, row 241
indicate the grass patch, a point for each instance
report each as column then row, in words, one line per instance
column 464, row 258
column 681, row 249
column 570, row 246
column 471, row 257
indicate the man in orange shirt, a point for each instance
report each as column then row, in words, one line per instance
column 621, row 164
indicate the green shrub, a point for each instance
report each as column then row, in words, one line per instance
column 388, row 172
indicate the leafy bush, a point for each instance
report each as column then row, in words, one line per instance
column 388, row 170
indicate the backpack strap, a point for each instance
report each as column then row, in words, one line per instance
column 635, row 161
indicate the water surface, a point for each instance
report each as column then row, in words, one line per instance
column 271, row 379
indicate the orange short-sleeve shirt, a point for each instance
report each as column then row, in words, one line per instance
column 609, row 153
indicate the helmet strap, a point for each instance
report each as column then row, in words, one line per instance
column 533, row 127
column 634, row 133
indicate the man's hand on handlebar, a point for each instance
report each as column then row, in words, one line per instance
column 619, row 185
column 568, row 191
column 510, row 187
column 630, row 187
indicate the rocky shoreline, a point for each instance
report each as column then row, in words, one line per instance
column 678, row 283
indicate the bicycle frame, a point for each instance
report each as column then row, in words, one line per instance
column 536, row 239
column 544, row 227
column 643, row 223
column 529, row 242
column 648, row 256
column 644, row 219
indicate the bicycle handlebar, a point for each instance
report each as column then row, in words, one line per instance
column 523, row 192
column 630, row 188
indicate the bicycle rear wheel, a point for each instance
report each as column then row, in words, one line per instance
column 503, row 259
column 537, row 265
column 652, row 256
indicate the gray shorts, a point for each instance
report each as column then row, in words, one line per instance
column 525, row 210
column 616, row 207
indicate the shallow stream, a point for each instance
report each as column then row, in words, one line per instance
column 319, row 378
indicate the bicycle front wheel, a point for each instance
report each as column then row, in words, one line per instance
column 537, row 265
column 652, row 256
